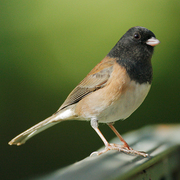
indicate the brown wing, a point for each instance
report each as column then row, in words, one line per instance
column 95, row 80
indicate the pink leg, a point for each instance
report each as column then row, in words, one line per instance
column 119, row 136
column 125, row 148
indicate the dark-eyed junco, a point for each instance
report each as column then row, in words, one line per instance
column 112, row 90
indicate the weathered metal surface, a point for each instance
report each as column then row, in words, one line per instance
column 161, row 142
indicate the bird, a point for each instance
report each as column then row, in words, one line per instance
column 111, row 91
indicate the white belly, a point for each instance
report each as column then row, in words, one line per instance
column 126, row 105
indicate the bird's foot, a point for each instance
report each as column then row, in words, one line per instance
column 127, row 150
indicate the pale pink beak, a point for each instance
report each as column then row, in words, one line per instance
column 152, row 41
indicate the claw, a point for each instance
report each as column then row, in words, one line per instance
column 120, row 149
column 100, row 152
column 94, row 153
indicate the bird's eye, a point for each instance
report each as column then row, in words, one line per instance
column 137, row 36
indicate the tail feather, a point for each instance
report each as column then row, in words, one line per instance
column 29, row 133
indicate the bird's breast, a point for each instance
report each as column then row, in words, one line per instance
column 118, row 99
column 126, row 104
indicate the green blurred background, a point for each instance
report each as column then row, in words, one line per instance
column 47, row 48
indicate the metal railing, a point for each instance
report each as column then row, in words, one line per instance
column 161, row 142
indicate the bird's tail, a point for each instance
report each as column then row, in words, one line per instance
column 29, row 133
